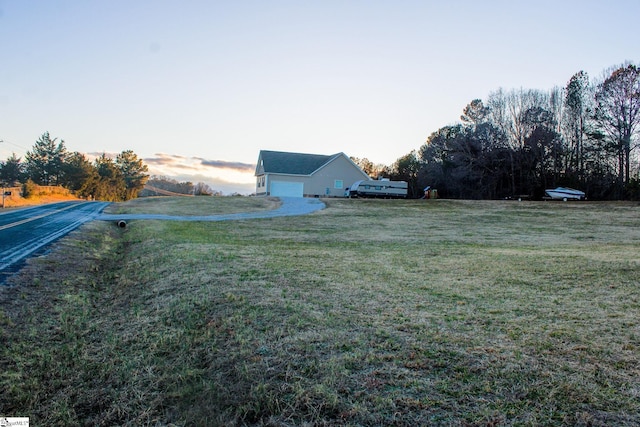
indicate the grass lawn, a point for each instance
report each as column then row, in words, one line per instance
column 370, row 312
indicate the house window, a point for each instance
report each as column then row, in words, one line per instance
column 338, row 183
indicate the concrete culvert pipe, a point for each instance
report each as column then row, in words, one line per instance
column 122, row 224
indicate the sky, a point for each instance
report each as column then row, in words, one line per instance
column 196, row 88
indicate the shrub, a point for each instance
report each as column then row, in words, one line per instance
column 29, row 189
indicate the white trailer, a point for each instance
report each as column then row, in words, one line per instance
column 382, row 188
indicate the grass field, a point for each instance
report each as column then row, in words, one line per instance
column 367, row 313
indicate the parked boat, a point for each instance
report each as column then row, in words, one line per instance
column 564, row 193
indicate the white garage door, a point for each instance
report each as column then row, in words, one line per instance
column 287, row 189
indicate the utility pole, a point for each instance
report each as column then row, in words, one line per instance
column 4, row 192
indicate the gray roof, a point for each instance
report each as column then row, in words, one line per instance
column 293, row 163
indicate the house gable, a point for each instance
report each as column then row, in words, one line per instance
column 312, row 175
column 344, row 161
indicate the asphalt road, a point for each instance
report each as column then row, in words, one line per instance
column 25, row 231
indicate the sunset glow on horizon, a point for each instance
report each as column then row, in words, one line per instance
column 204, row 80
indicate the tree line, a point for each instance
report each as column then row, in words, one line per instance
column 163, row 186
column 49, row 163
column 519, row 143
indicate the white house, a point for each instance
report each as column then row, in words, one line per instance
column 281, row 173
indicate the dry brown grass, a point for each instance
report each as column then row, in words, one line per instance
column 366, row 313
column 19, row 202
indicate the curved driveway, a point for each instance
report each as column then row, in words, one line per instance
column 290, row 206
column 25, row 231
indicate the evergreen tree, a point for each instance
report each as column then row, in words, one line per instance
column 12, row 170
column 134, row 173
column 44, row 162
column 78, row 174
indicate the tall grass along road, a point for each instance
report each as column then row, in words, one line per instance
column 366, row 313
column 24, row 231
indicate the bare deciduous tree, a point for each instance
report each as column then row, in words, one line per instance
column 618, row 115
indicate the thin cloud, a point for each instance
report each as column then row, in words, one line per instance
column 173, row 161
column 162, row 163
column 222, row 164
column 197, row 163
column 95, row 154
column 155, row 161
column 172, row 156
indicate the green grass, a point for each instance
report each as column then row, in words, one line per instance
column 367, row 313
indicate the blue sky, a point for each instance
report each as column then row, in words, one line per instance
column 198, row 87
